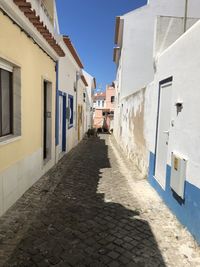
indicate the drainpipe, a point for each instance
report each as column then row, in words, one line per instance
column 57, row 111
column 185, row 15
column 77, row 79
column 76, row 86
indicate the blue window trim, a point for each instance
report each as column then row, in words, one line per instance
column 60, row 93
column 71, row 107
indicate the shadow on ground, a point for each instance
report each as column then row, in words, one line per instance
column 76, row 227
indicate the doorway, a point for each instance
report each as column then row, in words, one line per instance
column 47, row 120
column 163, row 130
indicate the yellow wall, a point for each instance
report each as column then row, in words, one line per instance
column 49, row 4
column 35, row 65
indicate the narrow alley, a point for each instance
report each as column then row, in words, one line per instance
column 91, row 210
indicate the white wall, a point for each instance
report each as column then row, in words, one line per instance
column 138, row 40
column 67, row 82
column 182, row 61
column 148, row 31
column 89, row 99
column 81, row 90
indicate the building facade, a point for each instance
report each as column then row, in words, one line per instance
column 140, row 37
column 110, row 106
column 157, row 101
column 28, row 89
column 99, row 105
column 88, row 98
column 174, row 143
column 104, row 105
column 74, row 105
column 69, row 71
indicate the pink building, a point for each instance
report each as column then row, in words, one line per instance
column 110, row 106
column 110, row 97
column 104, row 108
column 99, row 103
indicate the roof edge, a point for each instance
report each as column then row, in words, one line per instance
column 72, row 50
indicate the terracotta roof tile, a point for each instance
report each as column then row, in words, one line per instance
column 26, row 8
column 72, row 50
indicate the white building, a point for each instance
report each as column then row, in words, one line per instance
column 174, row 142
column 89, row 93
column 72, row 99
column 140, row 37
column 157, row 120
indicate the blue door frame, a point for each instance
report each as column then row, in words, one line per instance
column 64, row 134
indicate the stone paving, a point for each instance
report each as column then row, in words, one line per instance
column 93, row 209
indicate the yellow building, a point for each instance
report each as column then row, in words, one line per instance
column 28, row 56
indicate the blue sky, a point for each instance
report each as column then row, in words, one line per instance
column 91, row 25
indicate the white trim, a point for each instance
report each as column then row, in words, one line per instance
column 9, row 139
column 14, row 12
column 5, row 65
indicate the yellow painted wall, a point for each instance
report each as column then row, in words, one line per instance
column 35, row 65
column 49, row 4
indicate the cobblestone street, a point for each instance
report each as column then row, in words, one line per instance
column 93, row 209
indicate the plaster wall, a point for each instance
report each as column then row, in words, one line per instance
column 132, row 132
column 182, row 62
column 139, row 36
column 98, row 118
column 110, row 91
column 67, row 81
column 81, row 90
column 89, row 99
column 137, row 67
column 21, row 158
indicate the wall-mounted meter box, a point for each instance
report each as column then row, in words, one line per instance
column 178, row 174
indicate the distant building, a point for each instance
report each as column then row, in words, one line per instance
column 99, row 106
column 104, row 104
column 110, row 106
column 89, row 94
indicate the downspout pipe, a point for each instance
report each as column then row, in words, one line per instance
column 185, row 15
column 57, row 105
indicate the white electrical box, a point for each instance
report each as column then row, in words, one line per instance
column 178, row 174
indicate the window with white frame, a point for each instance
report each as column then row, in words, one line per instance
column 10, row 100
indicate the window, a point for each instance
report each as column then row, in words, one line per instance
column 84, row 97
column 99, row 103
column 112, row 99
column 102, row 103
column 6, row 103
column 71, row 110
